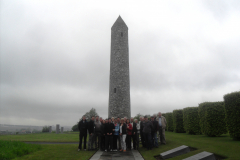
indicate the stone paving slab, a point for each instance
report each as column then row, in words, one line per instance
column 129, row 155
column 202, row 156
column 175, row 152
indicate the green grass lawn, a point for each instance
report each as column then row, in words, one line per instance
column 43, row 137
column 12, row 149
column 58, row 152
column 223, row 145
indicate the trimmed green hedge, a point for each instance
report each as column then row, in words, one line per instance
column 232, row 110
column 169, row 118
column 178, row 121
column 212, row 118
column 191, row 120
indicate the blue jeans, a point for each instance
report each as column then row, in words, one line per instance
column 148, row 140
column 154, row 140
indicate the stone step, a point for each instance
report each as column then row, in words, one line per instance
column 175, row 152
column 202, row 156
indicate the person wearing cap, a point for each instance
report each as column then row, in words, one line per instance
column 147, row 128
column 162, row 122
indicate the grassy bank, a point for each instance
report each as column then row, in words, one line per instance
column 12, row 149
column 43, row 137
column 222, row 145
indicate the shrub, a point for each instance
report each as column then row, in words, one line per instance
column 169, row 119
column 232, row 111
column 191, row 120
column 212, row 118
column 178, row 121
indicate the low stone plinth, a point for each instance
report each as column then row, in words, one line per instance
column 202, row 156
column 175, row 152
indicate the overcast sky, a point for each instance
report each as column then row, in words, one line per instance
column 55, row 56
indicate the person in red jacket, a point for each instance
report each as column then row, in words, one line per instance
column 129, row 134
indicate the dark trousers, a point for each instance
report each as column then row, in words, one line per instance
column 133, row 137
column 115, row 137
column 128, row 141
column 102, row 142
column 148, row 140
column 137, row 140
column 97, row 139
column 142, row 139
column 108, row 142
column 81, row 136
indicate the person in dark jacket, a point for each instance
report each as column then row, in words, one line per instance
column 147, row 128
column 154, row 132
column 109, row 131
column 102, row 135
column 82, row 127
column 97, row 132
column 141, row 132
column 91, row 134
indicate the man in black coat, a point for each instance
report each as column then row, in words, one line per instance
column 82, row 127
column 91, row 133
column 154, row 132
column 109, row 131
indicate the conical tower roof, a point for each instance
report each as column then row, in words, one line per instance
column 119, row 22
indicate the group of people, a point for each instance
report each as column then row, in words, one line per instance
column 115, row 134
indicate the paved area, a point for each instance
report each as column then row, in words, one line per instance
column 129, row 155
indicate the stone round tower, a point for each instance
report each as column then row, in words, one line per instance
column 119, row 85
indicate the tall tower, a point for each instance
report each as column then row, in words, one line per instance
column 119, row 85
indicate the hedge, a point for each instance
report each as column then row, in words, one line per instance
column 191, row 120
column 232, row 111
column 169, row 118
column 212, row 118
column 178, row 121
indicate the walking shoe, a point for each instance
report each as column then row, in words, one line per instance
column 120, row 150
column 79, row 150
column 111, row 150
column 105, row 150
column 124, row 150
column 84, row 149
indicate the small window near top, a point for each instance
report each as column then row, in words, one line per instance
column 121, row 34
column 115, row 90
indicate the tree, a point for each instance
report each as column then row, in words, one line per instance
column 75, row 127
column 91, row 113
column 45, row 129
column 138, row 116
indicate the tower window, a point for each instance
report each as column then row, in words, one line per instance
column 121, row 34
column 115, row 90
